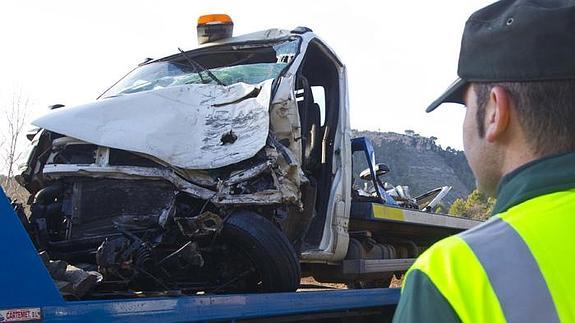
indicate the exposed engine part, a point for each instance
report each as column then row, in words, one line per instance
column 207, row 223
column 45, row 213
column 124, row 257
column 187, row 255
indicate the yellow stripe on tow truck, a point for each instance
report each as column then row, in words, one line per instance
column 389, row 213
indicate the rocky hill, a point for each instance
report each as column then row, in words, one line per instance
column 420, row 163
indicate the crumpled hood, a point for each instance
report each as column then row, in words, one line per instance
column 180, row 125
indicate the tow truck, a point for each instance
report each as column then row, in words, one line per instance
column 231, row 168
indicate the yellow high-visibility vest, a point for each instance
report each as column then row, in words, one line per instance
column 516, row 267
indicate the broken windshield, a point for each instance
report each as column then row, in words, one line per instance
column 251, row 64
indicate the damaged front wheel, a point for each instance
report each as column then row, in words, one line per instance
column 274, row 265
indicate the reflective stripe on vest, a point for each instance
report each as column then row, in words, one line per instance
column 456, row 272
column 513, row 272
column 518, row 266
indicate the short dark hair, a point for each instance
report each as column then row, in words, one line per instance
column 545, row 109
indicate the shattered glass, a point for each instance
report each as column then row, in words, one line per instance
column 251, row 65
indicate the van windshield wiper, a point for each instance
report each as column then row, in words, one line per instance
column 200, row 68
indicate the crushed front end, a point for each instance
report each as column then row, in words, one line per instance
column 162, row 184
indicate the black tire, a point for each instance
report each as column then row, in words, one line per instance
column 267, row 248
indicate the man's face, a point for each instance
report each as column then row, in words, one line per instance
column 483, row 157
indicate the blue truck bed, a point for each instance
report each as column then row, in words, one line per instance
column 29, row 293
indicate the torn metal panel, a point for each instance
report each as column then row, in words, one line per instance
column 182, row 126
column 285, row 194
column 128, row 172
column 284, row 178
column 286, row 187
column 270, row 197
column 285, row 125
column 199, row 177
column 284, row 118
column 244, row 175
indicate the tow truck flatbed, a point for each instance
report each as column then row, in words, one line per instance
column 29, row 293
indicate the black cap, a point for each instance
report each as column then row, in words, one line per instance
column 515, row 41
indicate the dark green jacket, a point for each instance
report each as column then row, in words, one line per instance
column 422, row 300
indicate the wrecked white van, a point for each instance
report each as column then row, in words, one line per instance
column 227, row 168
column 198, row 171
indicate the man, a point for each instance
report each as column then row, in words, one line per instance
column 517, row 79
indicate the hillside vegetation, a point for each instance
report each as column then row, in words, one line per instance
column 420, row 163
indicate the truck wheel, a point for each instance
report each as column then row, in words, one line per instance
column 272, row 257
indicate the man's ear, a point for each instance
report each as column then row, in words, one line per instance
column 497, row 114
